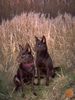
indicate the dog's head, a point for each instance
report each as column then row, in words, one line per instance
column 40, row 44
column 26, row 53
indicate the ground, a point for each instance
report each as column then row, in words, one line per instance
column 64, row 81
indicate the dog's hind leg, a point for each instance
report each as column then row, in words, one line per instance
column 47, row 77
column 17, row 82
column 38, row 73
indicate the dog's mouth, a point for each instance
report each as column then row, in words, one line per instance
column 28, row 64
column 27, row 59
column 41, row 48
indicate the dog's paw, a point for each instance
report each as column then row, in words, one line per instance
column 47, row 84
column 23, row 95
column 38, row 83
column 35, row 93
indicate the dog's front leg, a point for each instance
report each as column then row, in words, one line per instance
column 21, row 78
column 22, row 84
column 38, row 73
column 33, row 86
column 33, row 77
column 47, row 77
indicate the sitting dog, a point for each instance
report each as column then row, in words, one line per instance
column 26, row 70
column 44, row 62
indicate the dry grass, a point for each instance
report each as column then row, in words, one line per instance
column 60, row 37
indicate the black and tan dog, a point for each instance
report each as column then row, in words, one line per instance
column 44, row 62
column 26, row 70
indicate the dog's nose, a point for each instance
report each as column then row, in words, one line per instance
column 39, row 45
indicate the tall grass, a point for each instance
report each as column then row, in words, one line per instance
column 59, row 33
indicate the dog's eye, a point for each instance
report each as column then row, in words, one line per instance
column 23, row 53
column 39, row 45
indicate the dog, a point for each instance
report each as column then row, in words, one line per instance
column 26, row 71
column 44, row 62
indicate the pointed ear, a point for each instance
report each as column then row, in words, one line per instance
column 20, row 47
column 28, row 48
column 43, row 39
column 36, row 38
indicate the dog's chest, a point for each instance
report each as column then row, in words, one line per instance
column 27, row 66
column 41, row 60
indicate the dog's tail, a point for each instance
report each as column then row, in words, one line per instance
column 57, row 69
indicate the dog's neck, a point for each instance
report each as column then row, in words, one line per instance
column 43, row 53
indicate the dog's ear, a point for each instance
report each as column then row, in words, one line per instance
column 28, row 48
column 43, row 39
column 36, row 38
column 21, row 48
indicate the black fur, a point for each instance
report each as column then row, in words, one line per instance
column 44, row 62
column 26, row 70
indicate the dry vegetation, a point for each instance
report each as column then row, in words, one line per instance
column 60, row 37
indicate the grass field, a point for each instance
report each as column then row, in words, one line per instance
column 60, row 36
